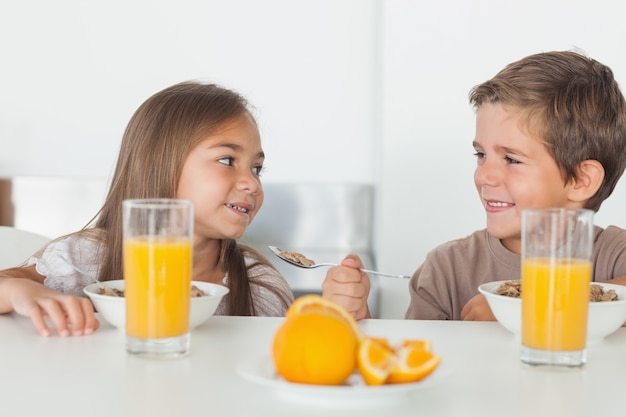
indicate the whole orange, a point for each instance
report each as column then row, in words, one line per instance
column 315, row 347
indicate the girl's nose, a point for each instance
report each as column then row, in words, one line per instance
column 249, row 182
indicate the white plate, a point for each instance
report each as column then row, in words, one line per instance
column 261, row 371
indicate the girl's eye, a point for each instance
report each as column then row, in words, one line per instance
column 226, row 161
column 479, row 154
column 511, row 160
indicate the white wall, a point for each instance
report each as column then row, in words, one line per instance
column 345, row 90
column 74, row 71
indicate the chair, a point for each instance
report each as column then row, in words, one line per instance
column 16, row 245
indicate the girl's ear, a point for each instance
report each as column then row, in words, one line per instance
column 590, row 177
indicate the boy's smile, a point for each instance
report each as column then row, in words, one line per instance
column 514, row 171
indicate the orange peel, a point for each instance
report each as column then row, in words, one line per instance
column 316, row 344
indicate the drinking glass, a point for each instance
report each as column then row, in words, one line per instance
column 157, row 257
column 557, row 246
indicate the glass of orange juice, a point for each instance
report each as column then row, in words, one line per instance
column 557, row 246
column 157, row 258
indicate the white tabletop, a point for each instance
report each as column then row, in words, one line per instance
column 481, row 375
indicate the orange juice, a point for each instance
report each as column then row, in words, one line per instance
column 157, row 272
column 555, row 299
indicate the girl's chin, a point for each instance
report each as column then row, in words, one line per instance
column 234, row 235
column 223, row 234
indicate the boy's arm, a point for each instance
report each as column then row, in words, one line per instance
column 477, row 309
column 426, row 288
column 617, row 281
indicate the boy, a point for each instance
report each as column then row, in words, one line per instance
column 550, row 132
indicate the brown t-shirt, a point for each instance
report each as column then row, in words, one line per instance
column 452, row 272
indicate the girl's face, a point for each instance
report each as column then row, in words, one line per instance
column 221, row 176
column 514, row 171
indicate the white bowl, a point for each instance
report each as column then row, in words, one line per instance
column 113, row 309
column 603, row 319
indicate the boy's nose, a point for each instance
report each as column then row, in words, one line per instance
column 487, row 174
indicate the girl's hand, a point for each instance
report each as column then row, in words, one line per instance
column 477, row 309
column 348, row 287
column 72, row 316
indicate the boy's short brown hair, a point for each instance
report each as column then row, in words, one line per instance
column 572, row 104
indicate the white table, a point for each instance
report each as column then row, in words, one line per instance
column 94, row 376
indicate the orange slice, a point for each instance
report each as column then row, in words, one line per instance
column 375, row 361
column 412, row 364
column 315, row 303
column 381, row 341
column 419, row 344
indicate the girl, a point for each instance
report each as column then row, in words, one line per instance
column 192, row 141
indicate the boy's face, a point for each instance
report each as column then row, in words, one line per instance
column 514, row 172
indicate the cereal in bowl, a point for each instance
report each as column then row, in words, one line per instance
column 596, row 292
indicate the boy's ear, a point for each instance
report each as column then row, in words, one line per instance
column 590, row 177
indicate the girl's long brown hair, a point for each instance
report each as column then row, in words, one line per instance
column 157, row 140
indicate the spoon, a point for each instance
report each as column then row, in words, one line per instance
column 302, row 261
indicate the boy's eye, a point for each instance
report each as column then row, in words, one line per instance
column 258, row 169
column 511, row 160
column 226, row 161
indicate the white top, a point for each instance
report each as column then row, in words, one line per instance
column 481, row 375
column 72, row 263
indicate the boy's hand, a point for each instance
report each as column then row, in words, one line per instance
column 477, row 309
column 348, row 287
column 72, row 316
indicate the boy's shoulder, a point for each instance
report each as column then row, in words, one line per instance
column 477, row 248
column 611, row 236
column 475, row 245
column 476, row 240
column 608, row 231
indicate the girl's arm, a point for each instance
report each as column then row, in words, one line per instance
column 22, row 291
column 12, row 274
column 348, row 287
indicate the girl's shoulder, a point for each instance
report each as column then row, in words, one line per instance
column 254, row 258
column 84, row 241
column 271, row 291
column 70, row 262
